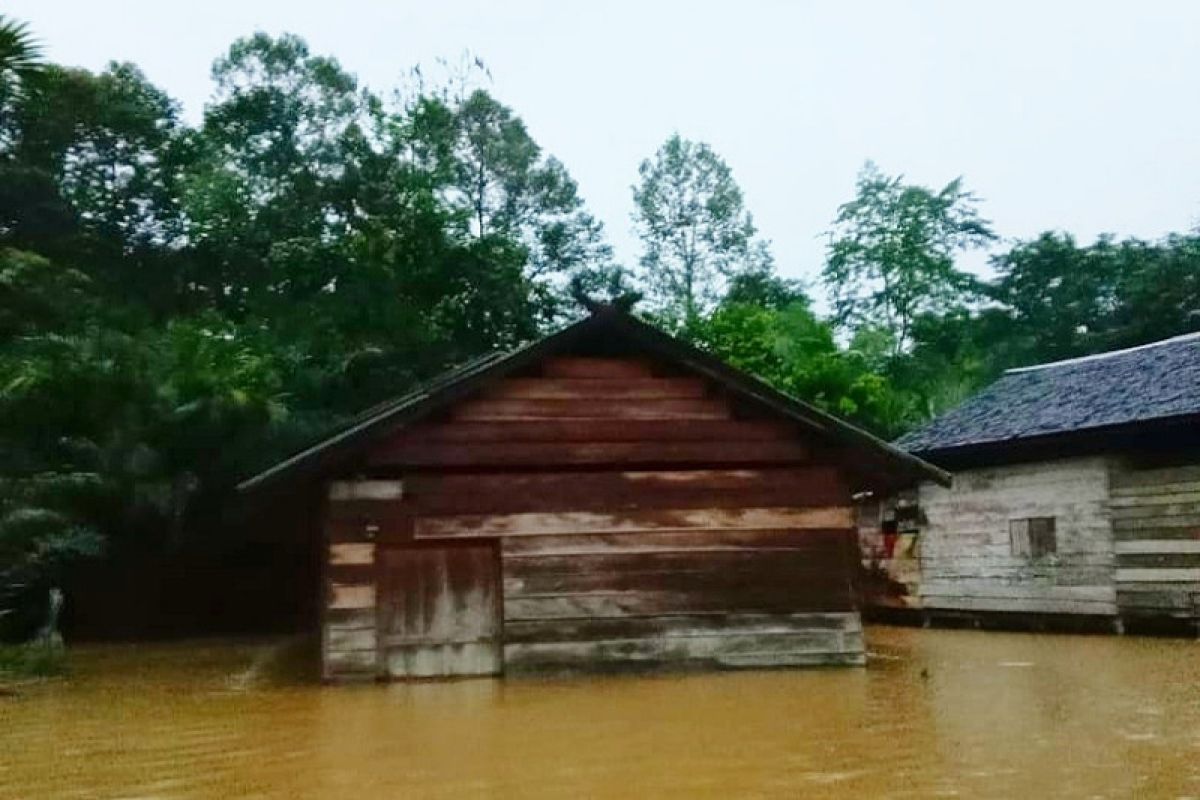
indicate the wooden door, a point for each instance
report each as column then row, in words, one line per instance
column 440, row 611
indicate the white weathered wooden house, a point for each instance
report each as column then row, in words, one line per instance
column 1076, row 495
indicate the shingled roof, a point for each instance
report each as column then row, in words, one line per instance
column 1152, row 383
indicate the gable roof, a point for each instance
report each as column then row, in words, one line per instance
column 1150, row 384
column 345, row 442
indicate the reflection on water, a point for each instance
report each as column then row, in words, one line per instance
column 937, row 713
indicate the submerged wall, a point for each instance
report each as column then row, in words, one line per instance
column 593, row 514
column 1156, row 531
column 967, row 555
column 1126, row 543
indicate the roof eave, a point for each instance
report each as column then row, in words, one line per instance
column 1076, row 437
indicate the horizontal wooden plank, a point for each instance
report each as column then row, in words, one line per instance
column 343, row 595
column 1141, row 534
column 1166, row 560
column 366, row 490
column 1181, row 598
column 983, row 589
column 349, row 618
column 1156, row 510
column 1019, row 605
column 796, row 479
column 696, row 541
column 600, row 430
column 534, row 454
column 339, row 662
column 623, row 500
column 557, row 630
column 598, row 389
column 729, row 651
column 341, row 553
column 477, row 525
column 1157, row 546
column 685, row 646
column 851, row 657
column 648, row 603
column 1140, row 478
column 480, row 410
column 338, row 637
column 1163, row 575
column 350, row 573
column 828, row 553
column 595, row 367
column 1189, row 521
column 441, row 493
column 1151, row 491
column 1158, row 498
column 806, row 589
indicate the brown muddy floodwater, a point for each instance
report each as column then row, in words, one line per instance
column 936, row 714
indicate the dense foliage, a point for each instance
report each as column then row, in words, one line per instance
column 181, row 304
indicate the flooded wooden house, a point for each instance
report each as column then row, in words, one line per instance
column 1076, row 495
column 606, row 498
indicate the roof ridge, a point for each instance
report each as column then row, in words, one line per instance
column 1108, row 354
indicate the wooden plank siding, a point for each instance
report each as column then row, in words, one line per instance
column 966, row 557
column 636, row 520
column 697, row 599
column 1156, row 532
column 349, row 634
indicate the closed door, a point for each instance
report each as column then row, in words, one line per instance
column 440, row 614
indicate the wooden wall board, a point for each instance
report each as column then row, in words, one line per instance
column 588, row 522
column 594, row 367
column 534, row 454
column 516, row 548
column 599, row 389
column 661, row 409
column 598, row 430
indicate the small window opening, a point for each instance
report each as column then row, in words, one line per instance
column 1033, row 537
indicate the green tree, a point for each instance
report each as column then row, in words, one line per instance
column 696, row 233
column 788, row 346
column 1158, row 289
column 265, row 193
column 1066, row 300
column 1060, row 296
column 20, row 61
column 100, row 153
column 503, row 185
column 891, row 252
column 20, row 53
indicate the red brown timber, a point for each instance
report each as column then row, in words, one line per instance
column 638, row 524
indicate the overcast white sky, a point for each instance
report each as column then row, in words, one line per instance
column 1080, row 116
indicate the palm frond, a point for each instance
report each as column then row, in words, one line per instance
column 20, row 61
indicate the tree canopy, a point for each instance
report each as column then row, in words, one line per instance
column 695, row 230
